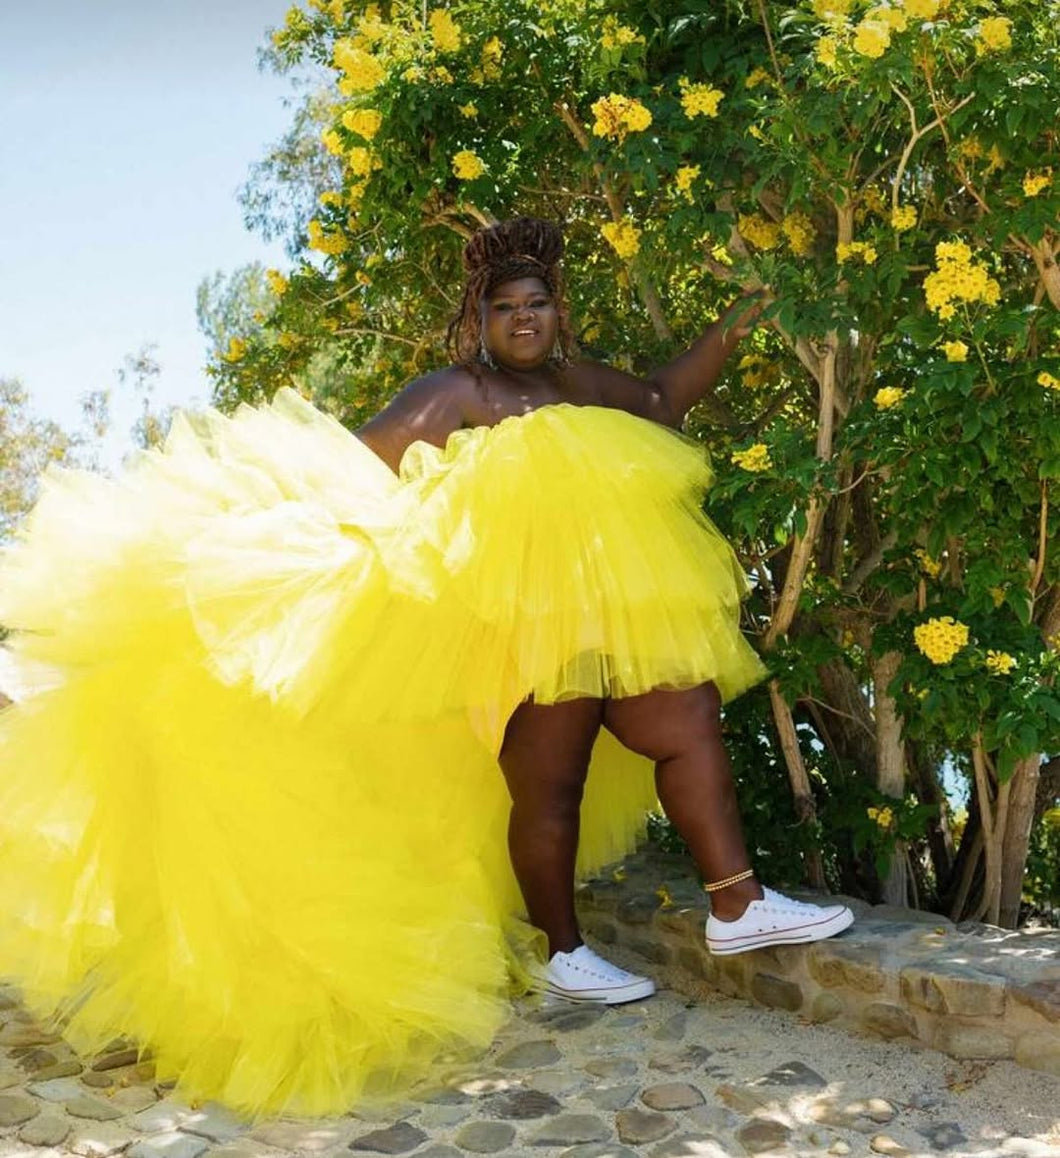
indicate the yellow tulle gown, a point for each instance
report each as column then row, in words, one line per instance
column 251, row 814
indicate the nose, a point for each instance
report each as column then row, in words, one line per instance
column 524, row 313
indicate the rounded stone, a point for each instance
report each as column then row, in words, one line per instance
column 640, row 1126
column 16, row 1109
column 44, row 1130
column 524, row 1104
column 825, row 1007
column 485, row 1137
column 569, row 1129
column 529, row 1055
column 397, row 1139
column 888, row 1020
column 96, row 1110
column 672, row 1096
column 776, row 993
column 762, row 1135
column 612, row 1067
column 597, row 1150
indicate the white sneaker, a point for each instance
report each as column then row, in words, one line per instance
column 776, row 920
column 583, row 975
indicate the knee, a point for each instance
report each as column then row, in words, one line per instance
column 557, row 798
column 681, row 722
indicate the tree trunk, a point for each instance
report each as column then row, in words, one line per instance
column 890, row 765
column 1023, row 789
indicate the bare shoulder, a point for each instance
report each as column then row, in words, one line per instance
column 604, row 385
column 428, row 409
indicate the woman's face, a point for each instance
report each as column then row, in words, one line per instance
column 520, row 323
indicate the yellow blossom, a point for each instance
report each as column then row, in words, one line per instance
column 371, row 25
column 276, row 282
column 361, row 278
column 616, row 35
column 930, row 567
column 441, row 75
column 361, row 161
column 754, row 459
column 903, row 218
column 997, row 161
column 364, row 122
column 1049, row 381
column 845, row 250
column 955, row 351
column 468, row 165
column 995, row 35
column 940, row 639
column 332, row 142
column 826, row 51
column 1034, row 183
column 799, row 231
column 894, row 18
column 699, row 100
column 873, row 200
column 363, row 72
column 330, row 197
column 871, row 38
column 325, row 240
column 921, row 9
column 999, row 662
column 469, row 110
column 760, row 233
column 684, row 177
column 492, row 55
column 623, row 237
column 237, row 350
column 616, row 115
column 289, row 341
column 445, row 32
column 757, row 77
column 831, row 9
column 958, row 278
column 997, row 594
column 888, row 396
column 884, row 817
column 756, row 132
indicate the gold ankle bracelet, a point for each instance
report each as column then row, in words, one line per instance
column 714, row 886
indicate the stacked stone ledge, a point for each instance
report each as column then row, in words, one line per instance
column 970, row 991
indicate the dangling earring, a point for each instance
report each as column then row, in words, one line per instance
column 484, row 356
column 558, row 356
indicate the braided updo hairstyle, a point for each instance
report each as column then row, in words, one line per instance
column 521, row 247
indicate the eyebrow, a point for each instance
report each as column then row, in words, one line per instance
column 515, row 297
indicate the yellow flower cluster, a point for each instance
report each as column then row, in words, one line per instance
column 826, row 50
column 445, row 32
column 362, row 71
column 872, row 38
column 490, row 69
column 699, row 100
column 468, row 165
column 276, row 282
column 845, row 250
column 888, row 396
column 616, row 115
column 903, row 218
column 757, row 77
column 469, row 110
column 616, row 35
column 799, row 231
column 1049, row 381
column 364, row 122
column 831, row 9
column 1034, row 183
column 930, row 567
column 324, row 240
column 362, row 161
column 754, row 228
column 330, row 197
column 958, row 279
column 684, row 177
column 371, row 25
column 332, row 142
column 940, row 639
column 995, row 35
column 623, row 237
column 237, row 350
column 921, row 9
column 999, row 662
column 754, row 458
column 894, row 18
column 955, row 351
column 884, row 817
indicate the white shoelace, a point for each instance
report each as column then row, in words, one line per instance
column 584, row 960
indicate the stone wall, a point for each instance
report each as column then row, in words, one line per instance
column 970, row 991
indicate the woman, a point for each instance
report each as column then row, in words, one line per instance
column 256, row 822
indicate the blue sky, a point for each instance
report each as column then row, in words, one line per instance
column 126, row 129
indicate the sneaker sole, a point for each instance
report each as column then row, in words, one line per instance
column 801, row 936
column 620, row 996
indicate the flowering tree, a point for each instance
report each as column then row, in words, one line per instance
column 889, row 445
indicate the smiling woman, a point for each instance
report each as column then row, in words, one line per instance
column 345, row 694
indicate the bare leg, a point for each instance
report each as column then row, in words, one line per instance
column 681, row 732
column 545, row 758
